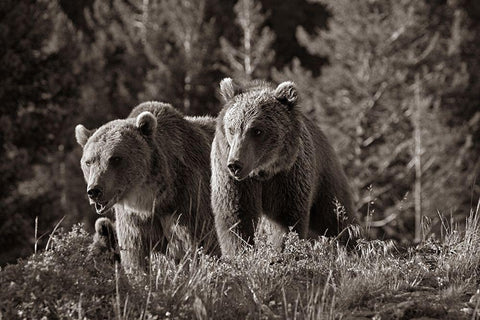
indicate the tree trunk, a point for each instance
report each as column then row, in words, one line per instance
column 417, row 138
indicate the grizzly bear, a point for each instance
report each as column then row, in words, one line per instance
column 153, row 170
column 269, row 158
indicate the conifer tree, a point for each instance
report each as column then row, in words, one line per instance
column 38, row 90
column 395, row 70
column 179, row 43
column 253, row 56
column 193, row 37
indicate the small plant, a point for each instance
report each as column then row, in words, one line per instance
column 307, row 279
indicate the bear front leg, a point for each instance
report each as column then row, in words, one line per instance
column 287, row 199
column 104, row 245
column 236, row 206
column 133, row 249
column 293, row 213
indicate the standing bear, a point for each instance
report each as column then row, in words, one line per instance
column 269, row 158
column 153, row 169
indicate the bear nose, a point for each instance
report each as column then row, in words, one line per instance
column 235, row 167
column 94, row 193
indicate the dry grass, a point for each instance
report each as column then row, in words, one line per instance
column 307, row 280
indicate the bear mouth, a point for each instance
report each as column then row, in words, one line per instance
column 102, row 208
column 240, row 175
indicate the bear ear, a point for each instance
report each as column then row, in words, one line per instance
column 82, row 134
column 286, row 93
column 228, row 89
column 147, row 123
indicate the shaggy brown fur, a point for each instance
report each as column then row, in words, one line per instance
column 105, row 244
column 269, row 158
column 153, row 170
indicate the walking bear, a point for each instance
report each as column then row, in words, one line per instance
column 153, row 170
column 269, row 158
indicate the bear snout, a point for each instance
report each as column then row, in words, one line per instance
column 235, row 167
column 95, row 192
column 238, row 170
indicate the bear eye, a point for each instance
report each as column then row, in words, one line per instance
column 88, row 163
column 232, row 132
column 257, row 132
column 115, row 161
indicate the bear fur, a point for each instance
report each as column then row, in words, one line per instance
column 105, row 243
column 269, row 158
column 153, row 170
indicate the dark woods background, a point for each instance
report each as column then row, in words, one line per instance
column 394, row 84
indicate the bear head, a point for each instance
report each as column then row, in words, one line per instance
column 117, row 158
column 261, row 126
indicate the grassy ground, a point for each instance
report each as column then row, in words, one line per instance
column 308, row 280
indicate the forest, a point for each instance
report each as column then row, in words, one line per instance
column 395, row 86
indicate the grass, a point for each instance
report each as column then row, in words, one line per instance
column 307, row 280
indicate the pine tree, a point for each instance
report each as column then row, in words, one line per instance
column 179, row 43
column 193, row 39
column 394, row 70
column 253, row 56
column 38, row 90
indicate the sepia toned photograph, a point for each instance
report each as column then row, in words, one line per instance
column 240, row 159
